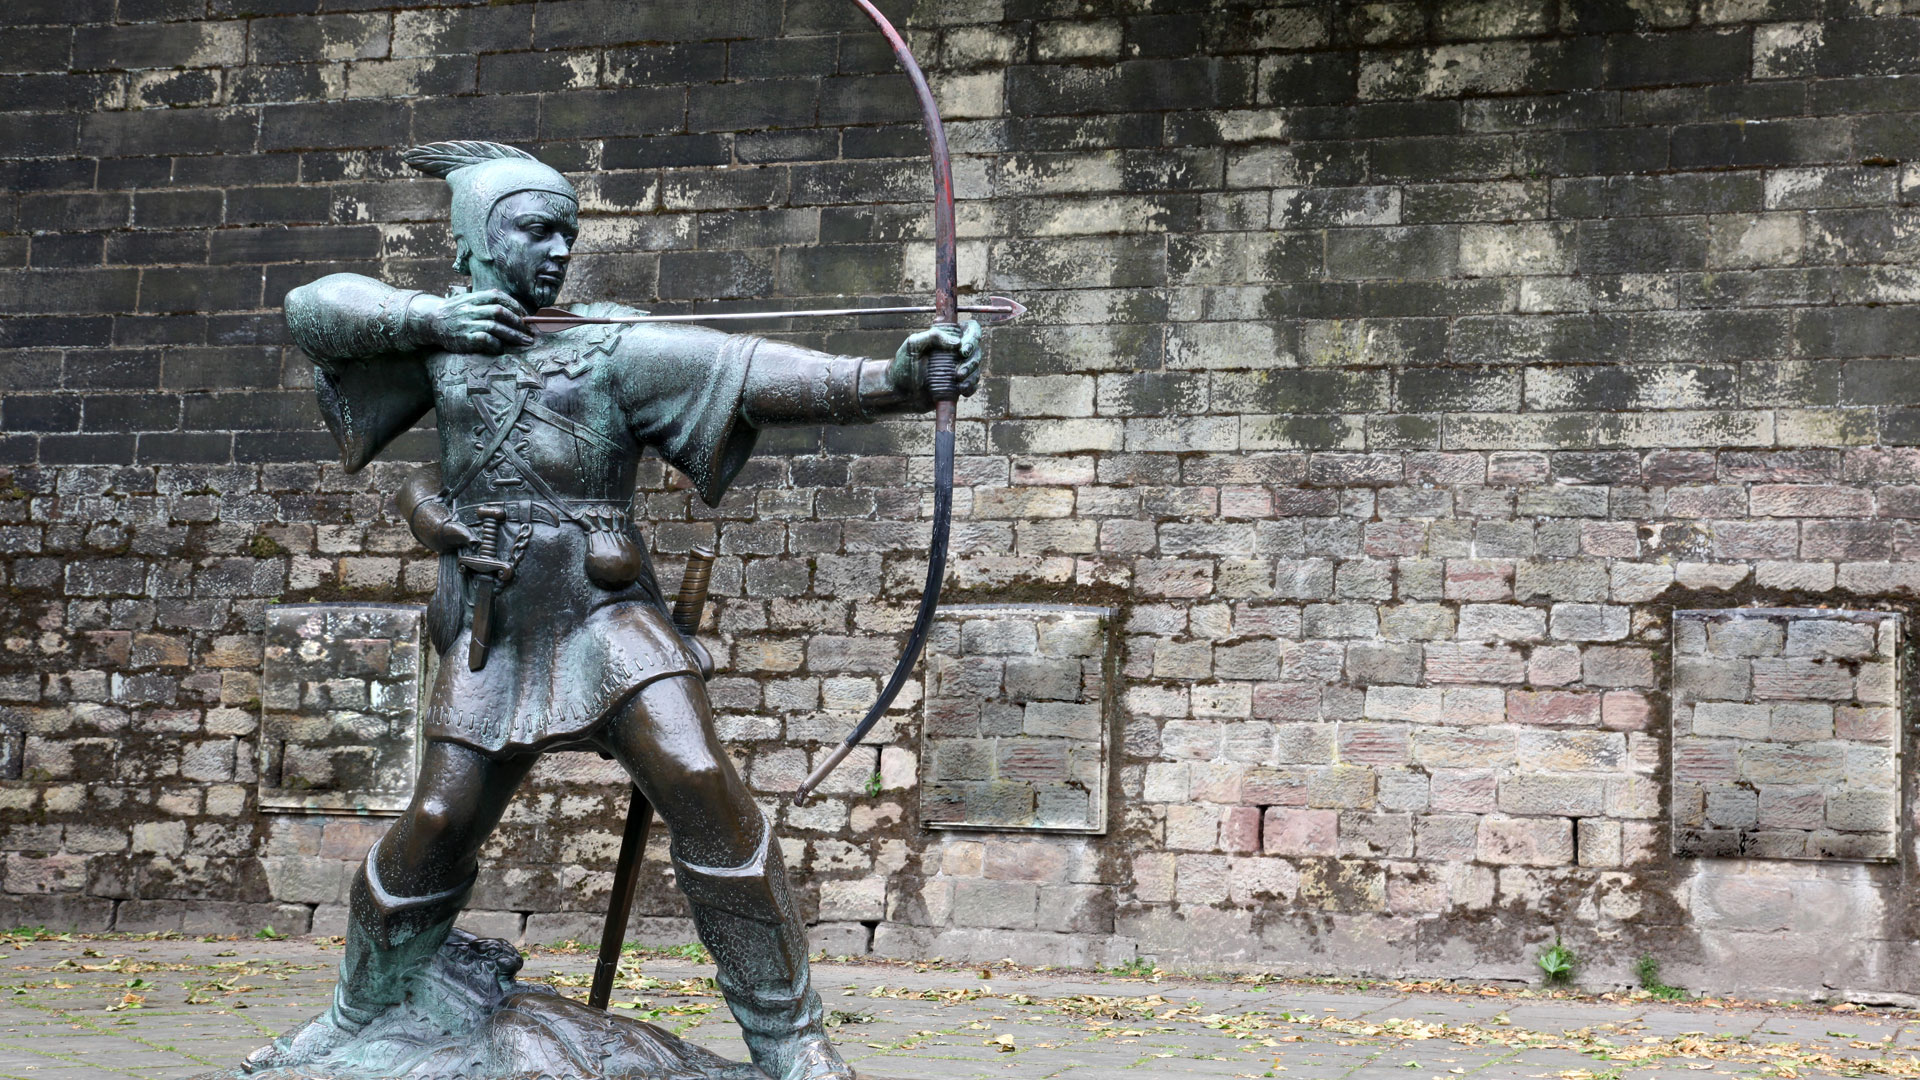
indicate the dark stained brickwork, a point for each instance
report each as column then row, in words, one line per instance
column 1394, row 369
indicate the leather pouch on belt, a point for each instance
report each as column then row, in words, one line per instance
column 613, row 559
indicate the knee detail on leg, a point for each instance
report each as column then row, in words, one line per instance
column 707, row 785
column 755, row 889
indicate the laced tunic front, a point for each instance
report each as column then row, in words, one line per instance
column 550, row 436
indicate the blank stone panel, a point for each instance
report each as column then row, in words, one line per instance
column 1014, row 727
column 340, row 692
column 1786, row 733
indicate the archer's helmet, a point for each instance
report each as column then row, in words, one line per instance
column 481, row 174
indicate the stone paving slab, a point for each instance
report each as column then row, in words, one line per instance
column 168, row 1009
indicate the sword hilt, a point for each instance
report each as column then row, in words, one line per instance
column 494, row 567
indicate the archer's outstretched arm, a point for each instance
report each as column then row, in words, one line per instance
column 789, row 385
column 699, row 397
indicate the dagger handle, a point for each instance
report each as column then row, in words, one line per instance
column 490, row 518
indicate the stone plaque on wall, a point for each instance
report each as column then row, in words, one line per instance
column 340, row 698
column 1786, row 733
column 1014, row 724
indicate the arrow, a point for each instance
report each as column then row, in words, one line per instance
column 997, row 310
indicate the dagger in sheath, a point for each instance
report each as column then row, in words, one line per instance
column 489, row 572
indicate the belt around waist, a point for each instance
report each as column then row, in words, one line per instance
column 541, row 512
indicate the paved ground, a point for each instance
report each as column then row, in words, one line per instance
column 173, row 1008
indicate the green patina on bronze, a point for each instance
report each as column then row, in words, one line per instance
column 554, row 630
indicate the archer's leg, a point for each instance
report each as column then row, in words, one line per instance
column 727, row 863
column 408, row 892
column 416, row 879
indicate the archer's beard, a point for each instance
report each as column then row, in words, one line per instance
column 544, row 289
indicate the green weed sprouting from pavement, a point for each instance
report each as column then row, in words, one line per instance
column 1557, row 962
column 1136, row 968
column 1648, row 969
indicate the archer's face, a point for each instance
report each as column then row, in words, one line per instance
column 529, row 241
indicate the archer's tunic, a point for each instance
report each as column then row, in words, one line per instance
column 551, row 436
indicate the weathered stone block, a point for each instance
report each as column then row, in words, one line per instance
column 1371, row 665
column 1617, row 665
column 1792, row 806
column 1373, row 744
column 1732, row 808
column 1572, row 751
column 831, row 938
column 1300, row 832
column 1730, row 720
column 1867, row 724
column 1599, row 842
column 854, row 900
column 1501, row 622
column 1076, row 909
column 1446, row 837
column 1537, row 794
column 1830, row 638
column 1471, row 663
column 1341, row 786
column 1525, row 841
column 1375, row 835
column 1011, row 905
column 1862, row 811
column 1798, row 721
column 1801, row 679
column 1193, row 827
column 1466, row 791
column 1589, row 622
column 1451, row 748
column 1554, row 708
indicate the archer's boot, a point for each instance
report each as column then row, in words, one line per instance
column 748, row 921
column 388, row 939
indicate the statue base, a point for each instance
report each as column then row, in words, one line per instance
column 465, row 1016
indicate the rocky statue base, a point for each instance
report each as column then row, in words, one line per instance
column 465, row 1016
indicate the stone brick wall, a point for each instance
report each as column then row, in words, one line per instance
column 1394, row 370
